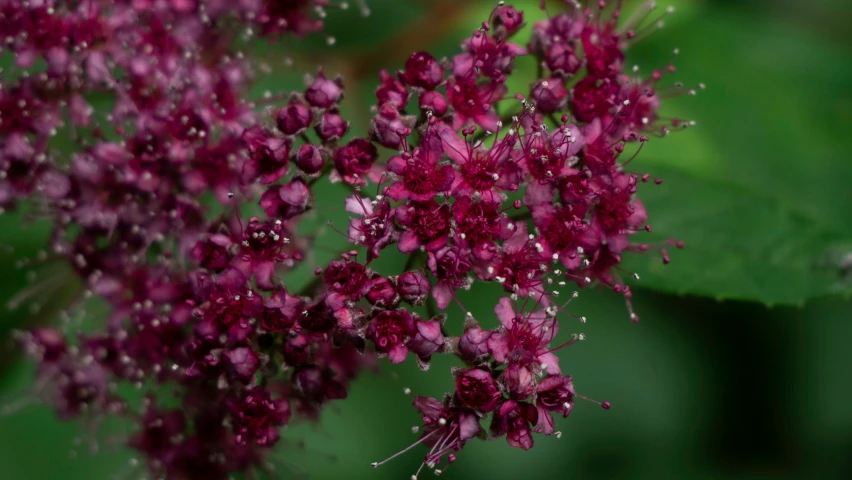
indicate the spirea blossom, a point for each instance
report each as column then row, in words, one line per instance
column 532, row 191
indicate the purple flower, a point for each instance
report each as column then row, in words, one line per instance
column 427, row 225
column 518, row 381
column 563, row 231
column 553, row 394
column 324, row 93
column 382, row 292
column 354, row 162
column 486, row 172
column 413, row 287
column 446, row 428
column 422, row 71
column 477, row 389
column 472, row 101
column 331, row 127
column 212, row 253
column 160, row 429
column 479, row 225
column 617, row 214
column 375, row 227
column 518, row 267
column 389, row 128
column 421, row 175
column 389, row 331
column 309, row 159
column 391, row 92
column 549, row 95
column 555, row 42
column 594, row 98
column 473, row 344
column 428, row 338
column 264, row 245
column 227, row 313
column 513, row 419
column 490, row 54
column 280, row 311
column 318, row 385
column 434, row 103
column 242, row 363
column 346, row 280
column 294, row 118
column 196, row 293
column 286, row 201
column 524, row 338
column 317, row 320
column 450, row 265
column 256, row 416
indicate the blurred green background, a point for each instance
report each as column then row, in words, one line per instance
column 737, row 367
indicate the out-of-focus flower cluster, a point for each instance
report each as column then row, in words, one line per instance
column 473, row 183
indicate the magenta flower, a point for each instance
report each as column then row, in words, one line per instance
column 428, row 339
column 518, row 381
column 347, row 281
column 549, row 95
column 280, row 311
column 159, row 428
column 450, row 265
column 295, row 118
column 390, row 330
column 381, row 292
column 309, row 159
column 242, row 363
column 479, row 225
column 484, row 172
column 256, row 416
column 553, row 394
column 446, row 429
column 518, row 267
column 166, row 147
column 477, row 389
column 287, row 201
column 594, row 98
column 524, row 338
column 473, row 344
column 514, row 419
column 422, row 71
column 324, row 93
column 375, row 228
column 264, row 245
column 563, row 232
column 391, row 91
column 427, row 225
column 492, row 56
column 474, row 102
column 413, row 287
column 421, row 174
column 389, row 129
column 318, row 385
column 556, row 42
column 331, row 126
column 354, row 162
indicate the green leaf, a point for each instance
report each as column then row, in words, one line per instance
column 759, row 190
column 740, row 244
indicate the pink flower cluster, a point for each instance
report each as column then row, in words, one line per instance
column 472, row 184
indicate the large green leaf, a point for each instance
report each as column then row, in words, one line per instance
column 741, row 244
column 760, row 189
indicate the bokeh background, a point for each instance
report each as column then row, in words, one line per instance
column 741, row 365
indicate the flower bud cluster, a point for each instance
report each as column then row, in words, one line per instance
column 472, row 184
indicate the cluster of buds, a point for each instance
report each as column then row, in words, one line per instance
column 473, row 184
